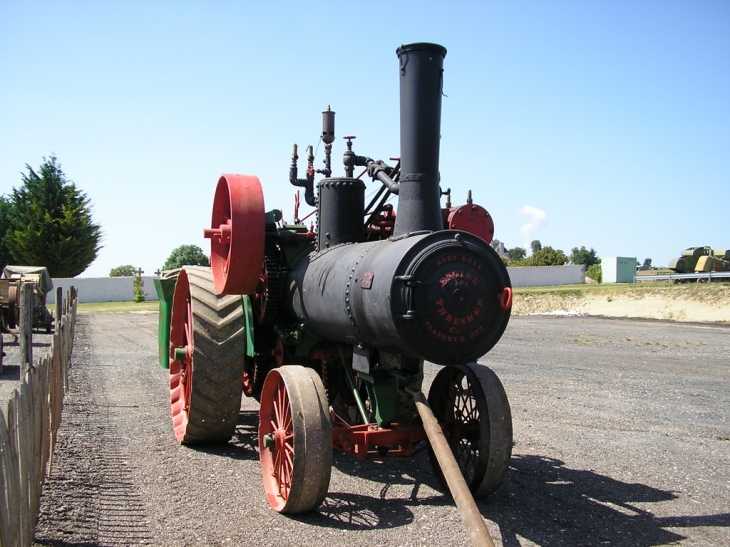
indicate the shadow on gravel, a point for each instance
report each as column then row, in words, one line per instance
column 345, row 511
column 246, row 436
column 244, row 443
column 387, row 510
column 10, row 372
column 35, row 344
column 541, row 501
column 552, row 505
column 413, row 472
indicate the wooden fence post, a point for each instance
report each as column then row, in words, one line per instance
column 58, row 309
column 27, row 303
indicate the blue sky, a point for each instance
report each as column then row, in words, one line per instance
column 603, row 124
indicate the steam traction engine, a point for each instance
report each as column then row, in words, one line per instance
column 329, row 328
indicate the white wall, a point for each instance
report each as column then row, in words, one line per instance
column 540, row 276
column 103, row 289
column 121, row 289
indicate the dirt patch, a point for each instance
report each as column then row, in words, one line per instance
column 691, row 304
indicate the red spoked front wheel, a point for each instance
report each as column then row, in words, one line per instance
column 295, row 439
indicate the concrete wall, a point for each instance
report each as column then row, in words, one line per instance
column 103, row 289
column 541, row 276
column 121, row 289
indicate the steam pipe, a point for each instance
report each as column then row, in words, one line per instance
column 473, row 520
column 376, row 169
column 307, row 183
column 421, row 85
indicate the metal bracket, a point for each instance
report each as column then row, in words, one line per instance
column 361, row 358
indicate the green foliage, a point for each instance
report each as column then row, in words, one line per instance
column 5, row 223
column 595, row 273
column 546, row 256
column 584, row 256
column 50, row 223
column 186, row 255
column 517, row 253
column 535, row 245
column 647, row 264
column 138, row 284
column 123, row 271
column 505, row 260
column 139, row 294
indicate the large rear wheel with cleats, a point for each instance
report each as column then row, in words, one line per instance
column 207, row 351
column 295, row 439
column 472, row 407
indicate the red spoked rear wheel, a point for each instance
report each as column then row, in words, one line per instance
column 237, row 234
column 295, row 439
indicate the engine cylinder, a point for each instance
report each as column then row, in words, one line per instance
column 340, row 199
column 434, row 296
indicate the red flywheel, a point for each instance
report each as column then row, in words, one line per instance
column 237, row 234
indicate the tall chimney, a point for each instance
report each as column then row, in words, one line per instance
column 421, row 86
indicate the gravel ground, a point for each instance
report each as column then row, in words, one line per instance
column 621, row 438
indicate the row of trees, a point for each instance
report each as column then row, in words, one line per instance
column 184, row 255
column 181, row 256
column 547, row 256
column 47, row 222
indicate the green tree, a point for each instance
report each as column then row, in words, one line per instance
column 595, row 273
column 123, row 271
column 547, row 256
column 647, row 264
column 139, row 294
column 5, row 224
column 51, row 223
column 535, row 245
column 517, row 253
column 186, row 255
column 583, row 256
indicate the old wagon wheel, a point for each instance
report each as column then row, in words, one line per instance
column 237, row 234
column 295, row 439
column 207, row 350
column 12, row 308
column 470, row 404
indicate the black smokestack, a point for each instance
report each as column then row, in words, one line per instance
column 421, row 85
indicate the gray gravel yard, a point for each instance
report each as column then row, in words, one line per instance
column 621, row 438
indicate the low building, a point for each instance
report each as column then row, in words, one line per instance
column 618, row 269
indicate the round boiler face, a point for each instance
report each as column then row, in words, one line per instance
column 458, row 316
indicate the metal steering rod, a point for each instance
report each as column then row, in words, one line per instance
column 470, row 514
